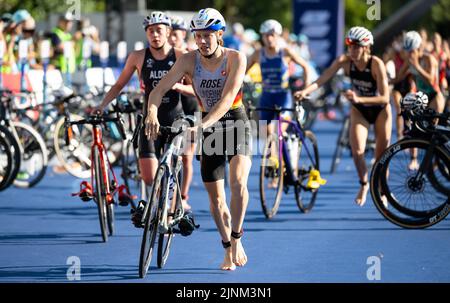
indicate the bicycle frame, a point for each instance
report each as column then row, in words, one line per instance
column 282, row 149
column 97, row 143
column 172, row 165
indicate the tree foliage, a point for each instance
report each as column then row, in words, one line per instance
column 249, row 12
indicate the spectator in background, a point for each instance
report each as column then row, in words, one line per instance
column 303, row 45
column 251, row 42
column 235, row 40
column 401, row 85
column 179, row 33
column 427, row 44
column 446, row 48
column 8, row 56
column 28, row 34
column 441, row 57
column 14, row 34
column 2, row 37
column 60, row 35
column 85, row 33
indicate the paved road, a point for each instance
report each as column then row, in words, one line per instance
column 41, row 228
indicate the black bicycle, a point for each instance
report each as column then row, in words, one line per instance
column 410, row 182
column 164, row 211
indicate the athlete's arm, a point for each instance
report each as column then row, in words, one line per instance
column 382, row 84
column 232, row 86
column 402, row 73
column 428, row 73
column 300, row 61
column 252, row 60
column 326, row 75
column 125, row 76
column 179, row 69
column 184, row 87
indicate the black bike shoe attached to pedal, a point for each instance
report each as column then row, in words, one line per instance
column 186, row 225
column 136, row 214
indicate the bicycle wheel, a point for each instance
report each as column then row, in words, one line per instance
column 75, row 157
column 6, row 160
column 304, row 196
column 341, row 144
column 415, row 201
column 165, row 240
column 34, row 156
column 271, row 177
column 110, row 217
column 6, row 134
column 109, row 205
column 152, row 215
column 100, row 197
column 439, row 175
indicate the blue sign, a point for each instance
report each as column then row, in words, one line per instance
column 322, row 21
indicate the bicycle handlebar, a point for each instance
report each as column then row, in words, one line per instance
column 94, row 120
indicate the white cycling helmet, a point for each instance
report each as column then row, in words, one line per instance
column 359, row 35
column 411, row 41
column 208, row 19
column 415, row 102
column 156, row 18
column 271, row 26
column 178, row 23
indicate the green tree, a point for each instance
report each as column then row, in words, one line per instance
column 42, row 9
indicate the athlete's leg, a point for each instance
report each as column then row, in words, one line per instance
column 222, row 218
column 438, row 103
column 148, row 168
column 188, row 172
column 383, row 131
column 239, row 171
column 359, row 130
column 397, row 96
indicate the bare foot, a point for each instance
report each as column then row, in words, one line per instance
column 227, row 260
column 239, row 256
column 362, row 195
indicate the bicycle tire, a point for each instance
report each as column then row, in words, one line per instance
column 304, row 202
column 165, row 240
column 164, row 243
column 32, row 147
column 110, row 206
column 111, row 218
column 407, row 145
column 100, row 198
column 78, row 152
column 5, row 162
column 15, row 152
column 152, row 217
column 270, row 208
column 399, row 214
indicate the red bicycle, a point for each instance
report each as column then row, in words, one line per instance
column 102, row 174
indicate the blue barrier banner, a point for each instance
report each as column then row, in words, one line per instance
column 322, row 21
